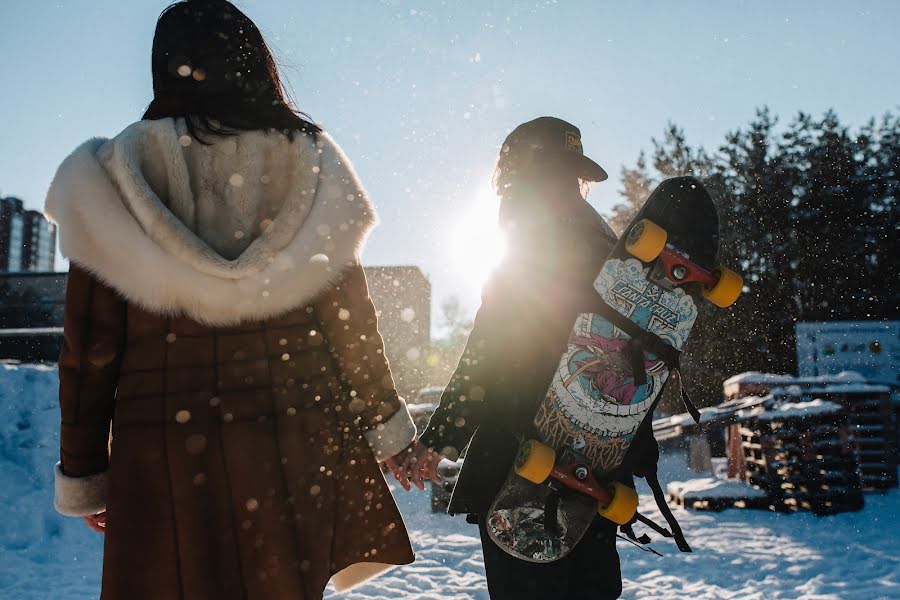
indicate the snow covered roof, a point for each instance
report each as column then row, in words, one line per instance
column 791, row 390
column 849, row 388
column 712, row 413
column 844, row 377
column 708, row 414
column 745, row 402
column 798, row 410
column 757, row 377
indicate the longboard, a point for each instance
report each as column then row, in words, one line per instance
column 608, row 380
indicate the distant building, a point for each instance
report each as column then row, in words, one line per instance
column 27, row 239
column 12, row 231
column 31, row 315
column 871, row 348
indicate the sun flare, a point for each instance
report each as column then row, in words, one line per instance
column 478, row 244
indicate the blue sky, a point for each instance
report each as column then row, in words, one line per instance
column 421, row 94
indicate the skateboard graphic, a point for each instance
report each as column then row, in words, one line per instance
column 617, row 360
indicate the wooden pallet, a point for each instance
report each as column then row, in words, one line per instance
column 803, row 461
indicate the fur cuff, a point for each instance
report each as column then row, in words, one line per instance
column 393, row 435
column 79, row 496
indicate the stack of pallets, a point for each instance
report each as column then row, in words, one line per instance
column 872, row 425
column 871, row 429
column 799, row 453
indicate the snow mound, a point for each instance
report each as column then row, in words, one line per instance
column 37, row 545
column 708, row 488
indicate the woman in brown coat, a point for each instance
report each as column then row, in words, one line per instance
column 224, row 393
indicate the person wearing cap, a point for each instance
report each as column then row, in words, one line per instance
column 556, row 245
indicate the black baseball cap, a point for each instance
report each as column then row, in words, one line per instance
column 549, row 135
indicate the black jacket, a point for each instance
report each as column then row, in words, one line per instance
column 527, row 312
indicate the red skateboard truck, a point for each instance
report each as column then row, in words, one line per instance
column 647, row 241
column 536, row 462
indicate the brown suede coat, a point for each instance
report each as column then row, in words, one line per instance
column 238, row 467
column 218, row 325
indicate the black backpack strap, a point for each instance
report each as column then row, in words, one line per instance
column 652, row 342
column 653, row 525
column 641, row 340
column 688, row 405
column 628, row 530
column 677, row 535
column 638, row 544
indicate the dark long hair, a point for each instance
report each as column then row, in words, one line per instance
column 212, row 66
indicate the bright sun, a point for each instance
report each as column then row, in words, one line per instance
column 477, row 242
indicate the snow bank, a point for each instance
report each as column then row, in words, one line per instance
column 708, row 488
column 38, row 547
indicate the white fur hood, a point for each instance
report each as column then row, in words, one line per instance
column 248, row 227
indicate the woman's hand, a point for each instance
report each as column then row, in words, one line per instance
column 415, row 462
column 96, row 522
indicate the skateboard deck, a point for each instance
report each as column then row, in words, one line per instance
column 595, row 401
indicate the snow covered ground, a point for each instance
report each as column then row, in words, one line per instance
column 737, row 553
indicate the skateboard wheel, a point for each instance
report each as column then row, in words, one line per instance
column 726, row 290
column 623, row 505
column 646, row 240
column 535, row 461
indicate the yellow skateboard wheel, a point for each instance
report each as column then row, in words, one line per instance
column 535, row 461
column 623, row 505
column 646, row 240
column 726, row 290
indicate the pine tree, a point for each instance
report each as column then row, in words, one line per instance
column 883, row 247
column 808, row 216
column 636, row 186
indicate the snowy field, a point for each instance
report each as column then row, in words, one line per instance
column 737, row 553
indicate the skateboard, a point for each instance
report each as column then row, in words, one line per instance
column 618, row 357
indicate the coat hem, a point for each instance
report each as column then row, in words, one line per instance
column 358, row 573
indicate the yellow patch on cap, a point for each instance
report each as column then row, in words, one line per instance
column 573, row 142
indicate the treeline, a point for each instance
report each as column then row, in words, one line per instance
column 809, row 216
